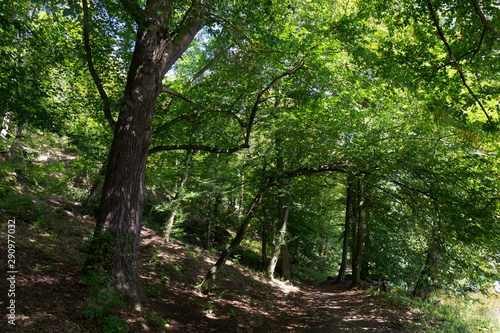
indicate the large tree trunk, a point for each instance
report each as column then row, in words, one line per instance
column 212, row 273
column 360, row 237
column 347, row 230
column 115, row 244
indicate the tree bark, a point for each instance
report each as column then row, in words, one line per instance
column 264, row 245
column 265, row 232
column 347, row 230
column 15, row 143
column 360, row 237
column 285, row 261
column 280, row 237
column 115, row 244
column 207, row 283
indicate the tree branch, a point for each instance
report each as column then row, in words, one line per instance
column 480, row 44
column 206, row 67
column 198, row 147
column 452, row 56
column 177, row 94
column 483, row 18
column 303, row 171
column 192, row 22
column 13, row 11
column 134, row 10
column 90, row 64
column 259, row 98
column 173, row 122
column 249, row 125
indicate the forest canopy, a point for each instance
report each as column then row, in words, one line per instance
column 329, row 134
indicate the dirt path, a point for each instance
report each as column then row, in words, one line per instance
column 336, row 308
column 245, row 301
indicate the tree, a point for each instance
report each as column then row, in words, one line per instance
column 33, row 53
column 175, row 206
column 359, row 236
column 164, row 32
column 349, row 219
column 401, row 92
column 161, row 40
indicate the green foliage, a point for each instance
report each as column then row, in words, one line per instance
column 155, row 320
column 208, row 307
column 103, row 303
column 97, row 279
column 444, row 313
column 114, row 324
column 154, row 290
column 376, row 90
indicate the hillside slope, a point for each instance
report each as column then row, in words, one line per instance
column 50, row 297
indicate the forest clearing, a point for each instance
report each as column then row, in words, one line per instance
column 250, row 166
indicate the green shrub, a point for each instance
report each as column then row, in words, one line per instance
column 155, row 320
column 102, row 304
column 114, row 324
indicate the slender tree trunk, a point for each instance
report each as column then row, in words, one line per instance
column 215, row 218
column 280, row 237
column 15, row 143
column 285, row 261
column 242, row 186
column 347, row 230
column 360, row 237
column 282, row 207
column 5, row 121
column 365, row 268
column 425, row 282
column 264, row 245
column 212, row 273
column 167, row 229
column 115, row 244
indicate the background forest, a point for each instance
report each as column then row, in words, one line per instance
column 304, row 139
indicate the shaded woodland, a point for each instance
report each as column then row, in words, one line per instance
column 354, row 140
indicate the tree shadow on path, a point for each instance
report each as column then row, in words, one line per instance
column 336, row 308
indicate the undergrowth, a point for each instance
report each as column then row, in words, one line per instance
column 441, row 313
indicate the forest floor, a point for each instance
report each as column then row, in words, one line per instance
column 50, row 296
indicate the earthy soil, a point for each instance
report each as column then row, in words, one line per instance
column 50, row 295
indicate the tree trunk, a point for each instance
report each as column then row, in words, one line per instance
column 5, row 122
column 285, row 261
column 15, row 143
column 360, row 237
column 365, row 267
column 347, row 230
column 115, row 244
column 213, row 219
column 167, row 230
column 280, row 237
column 425, row 283
column 282, row 207
column 242, row 187
column 212, row 273
column 264, row 244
